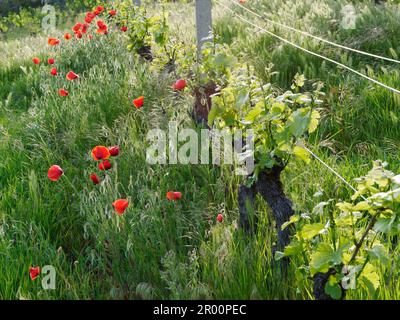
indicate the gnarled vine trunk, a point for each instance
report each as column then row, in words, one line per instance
column 270, row 187
column 145, row 53
column 202, row 104
column 320, row 281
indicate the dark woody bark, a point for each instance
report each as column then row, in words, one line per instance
column 203, row 103
column 270, row 187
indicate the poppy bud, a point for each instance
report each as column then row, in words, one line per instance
column 95, row 178
column 114, row 151
column 105, row 165
column 179, row 85
column 55, row 172
column 72, row 76
column 34, row 272
column 36, row 60
column 173, row 195
column 220, row 218
column 138, row 103
column 51, row 61
column 67, row 36
column 63, row 92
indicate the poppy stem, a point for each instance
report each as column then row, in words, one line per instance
column 70, row 183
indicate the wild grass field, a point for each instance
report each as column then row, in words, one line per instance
column 161, row 249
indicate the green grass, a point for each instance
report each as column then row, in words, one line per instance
column 160, row 249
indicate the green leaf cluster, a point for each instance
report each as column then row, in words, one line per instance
column 351, row 237
column 278, row 120
column 143, row 29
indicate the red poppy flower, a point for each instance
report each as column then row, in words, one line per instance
column 220, row 217
column 114, row 151
column 89, row 17
column 95, row 178
column 102, row 27
column 53, row 72
column 120, row 206
column 72, row 76
column 78, row 35
column 96, row 13
column 67, row 36
column 77, row 27
column 85, row 28
column 100, row 153
column 53, row 41
column 179, row 85
column 113, row 12
column 100, row 9
column 63, row 92
column 105, row 165
column 173, row 195
column 54, row 173
column 34, row 272
column 138, row 103
column 124, row 28
column 51, row 61
column 36, row 60
column 102, row 31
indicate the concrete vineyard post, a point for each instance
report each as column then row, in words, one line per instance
column 203, row 22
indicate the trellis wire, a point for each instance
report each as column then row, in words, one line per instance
column 310, row 52
column 315, row 37
column 318, row 55
column 331, row 169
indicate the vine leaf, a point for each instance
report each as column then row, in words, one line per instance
column 362, row 206
column 369, row 278
column 385, row 225
column 315, row 116
column 323, row 258
column 378, row 252
column 309, row 231
column 332, row 288
column 302, row 154
column 293, row 219
column 319, row 208
column 299, row 121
